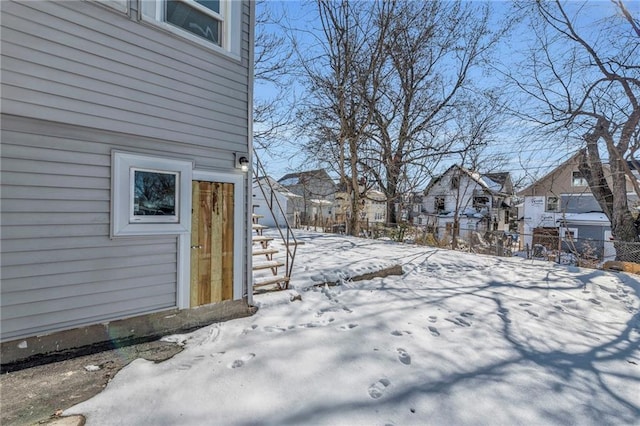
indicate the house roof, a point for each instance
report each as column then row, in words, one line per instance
column 551, row 173
column 297, row 178
column 592, row 218
column 276, row 186
column 540, row 183
column 491, row 182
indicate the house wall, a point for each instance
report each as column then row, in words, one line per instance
column 78, row 81
column 590, row 239
column 261, row 207
column 557, row 182
column 444, row 189
column 312, row 188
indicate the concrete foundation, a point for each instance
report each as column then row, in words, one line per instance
column 27, row 352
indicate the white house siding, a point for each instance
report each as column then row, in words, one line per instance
column 78, row 81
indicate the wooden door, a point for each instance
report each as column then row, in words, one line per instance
column 211, row 242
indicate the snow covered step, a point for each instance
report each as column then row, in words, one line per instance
column 257, row 216
column 259, row 282
column 266, row 251
column 257, row 226
column 268, row 264
column 261, row 239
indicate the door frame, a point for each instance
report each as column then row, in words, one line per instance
column 184, row 240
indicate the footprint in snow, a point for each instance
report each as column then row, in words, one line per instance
column 403, row 356
column 595, row 301
column 459, row 321
column 434, row 331
column 240, row 362
column 274, row 329
column 433, row 318
column 250, row 329
column 347, row 326
column 377, row 389
column 524, row 305
column 187, row 365
column 399, row 333
column 533, row 314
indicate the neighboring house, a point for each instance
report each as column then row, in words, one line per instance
column 374, row 206
column 275, row 193
column 317, row 191
column 124, row 123
column 411, row 208
column 561, row 205
column 475, row 202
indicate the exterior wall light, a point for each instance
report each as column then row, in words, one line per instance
column 242, row 162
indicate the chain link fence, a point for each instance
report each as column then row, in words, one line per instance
column 549, row 245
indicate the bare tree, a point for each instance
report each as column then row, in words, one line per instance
column 431, row 49
column 583, row 79
column 338, row 79
column 398, row 72
column 273, row 66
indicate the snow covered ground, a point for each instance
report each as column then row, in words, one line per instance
column 459, row 339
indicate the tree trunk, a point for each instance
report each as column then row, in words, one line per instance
column 612, row 199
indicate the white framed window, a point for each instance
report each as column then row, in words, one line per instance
column 569, row 234
column 553, row 204
column 213, row 23
column 149, row 195
column 578, row 180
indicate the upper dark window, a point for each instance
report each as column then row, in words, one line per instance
column 578, row 180
column 199, row 17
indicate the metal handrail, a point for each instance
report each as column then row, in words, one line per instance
column 288, row 238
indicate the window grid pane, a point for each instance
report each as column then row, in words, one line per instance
column 196, row 22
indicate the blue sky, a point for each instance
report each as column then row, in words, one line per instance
column 300, row 17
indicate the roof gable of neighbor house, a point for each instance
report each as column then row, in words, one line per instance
column 560, row 180
column 493, row 183
column 317, row 182
column 555, row 181
column 269, row 182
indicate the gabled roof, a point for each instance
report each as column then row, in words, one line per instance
column 491, row 182
column 571, row 159
column 276, row 186
column 298, row 178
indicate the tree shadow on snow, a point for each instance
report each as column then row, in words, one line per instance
column 604, row 403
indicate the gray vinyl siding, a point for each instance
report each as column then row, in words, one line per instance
column 60, row 269
column 79, row 63
column 78, row 81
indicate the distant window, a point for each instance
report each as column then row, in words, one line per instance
column 578, row 180
column 439, row 205
column 214, row 22
column 455, row 182
column 552, row 204
column 480, row 202
column 569, row 234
